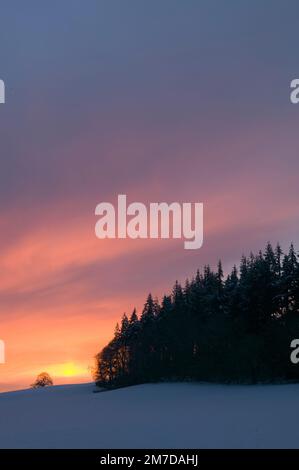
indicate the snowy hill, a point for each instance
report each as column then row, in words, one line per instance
column 172, row 415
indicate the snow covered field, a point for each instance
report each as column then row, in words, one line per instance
column 166, row 415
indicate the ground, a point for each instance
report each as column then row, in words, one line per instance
column 167, row 415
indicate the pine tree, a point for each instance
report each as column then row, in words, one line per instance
column 236, row 328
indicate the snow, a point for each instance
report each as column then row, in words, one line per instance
column 167, row 415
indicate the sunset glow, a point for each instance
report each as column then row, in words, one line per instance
column 130, row 102
column 68, row 369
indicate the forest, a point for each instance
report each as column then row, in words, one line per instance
column 228, row 329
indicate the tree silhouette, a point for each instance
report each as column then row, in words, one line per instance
column 236, row 328
column 42, row 380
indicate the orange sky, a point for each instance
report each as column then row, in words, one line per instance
column 63, row 289
column 161, row 102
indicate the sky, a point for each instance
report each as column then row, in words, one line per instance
column 162, row 101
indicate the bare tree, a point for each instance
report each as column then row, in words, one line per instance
column 42, row 380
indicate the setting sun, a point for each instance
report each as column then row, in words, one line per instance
column 67, row 369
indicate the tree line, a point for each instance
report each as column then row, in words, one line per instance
column 236, row 328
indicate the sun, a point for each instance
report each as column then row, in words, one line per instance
column 67, row 369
